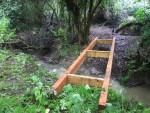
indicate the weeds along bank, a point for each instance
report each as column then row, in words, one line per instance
column 25, row 84
column 25, row 87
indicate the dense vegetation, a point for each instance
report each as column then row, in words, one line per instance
column 139, row 63
column 62, row 27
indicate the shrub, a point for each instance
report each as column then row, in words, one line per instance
column 6, row 34
column 11, row 9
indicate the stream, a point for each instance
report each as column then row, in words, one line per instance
column 138, row 93
column 92, row 66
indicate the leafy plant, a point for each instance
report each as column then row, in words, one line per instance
column 12, row 10
column 17, row 68
column 36, row 95
column 80, row 99
column 6, row 34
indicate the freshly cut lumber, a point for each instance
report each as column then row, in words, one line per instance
column 77, row 63
column 105, row 86
column 70, row 77
column 104, row 41
column 84, row 80
column 59, row 84
column 97, row 54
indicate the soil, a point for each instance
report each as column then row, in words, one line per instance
column 92, row 66
column 125, row 44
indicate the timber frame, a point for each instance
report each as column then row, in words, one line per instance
column 69, row 76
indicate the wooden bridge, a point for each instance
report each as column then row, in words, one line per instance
column 69, row 77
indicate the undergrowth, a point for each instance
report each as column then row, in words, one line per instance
column 17, row 69
column 6, row 34
column 79, row 99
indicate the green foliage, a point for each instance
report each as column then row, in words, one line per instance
column 23, row 14
column 20, row 73
column 76, row 99
column 68, row 50
column 6, row 34
column 36, row 95
column 140, row 14
column 33, row 13
column 83, row 99
column 73, row 99
column 11, row 9
column 119, row 104
column 61, row 34
column 140, row 63
column 17, row 68
column 15, row 105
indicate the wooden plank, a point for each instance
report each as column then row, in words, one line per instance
column 59, row 84
column 104, row 93
column 104, row 41
column 84, row 80
column 77, row 63
column 97, row 54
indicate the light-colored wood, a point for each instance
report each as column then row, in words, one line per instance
column 59, row 84
column 84, row 80
column 70, row 77
column 104, row 93
column 104, row 41
column 97, row 54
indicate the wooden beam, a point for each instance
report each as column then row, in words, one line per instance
column 104, row 41
column 84, row 80
column 77, row 63
column 59, row 84
column 97, row 54
column 104, row 93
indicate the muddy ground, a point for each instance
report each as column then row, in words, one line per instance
column 92, row 66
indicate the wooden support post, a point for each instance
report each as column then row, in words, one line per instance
column 104, row 41
column 59, row 84
column 97, row 54
column 104, row 93
column 84, row 80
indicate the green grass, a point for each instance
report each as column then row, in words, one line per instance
column 17, row 69
column 15, row 105
column 83, row 99
column 73, row 99
column 24, row 89
column 76, row 99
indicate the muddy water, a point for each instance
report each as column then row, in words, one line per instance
column 139, row 93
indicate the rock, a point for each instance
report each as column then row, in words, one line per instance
column 94, row 71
